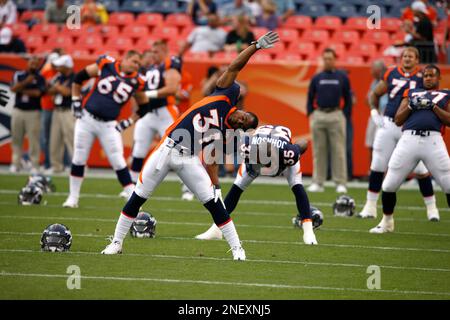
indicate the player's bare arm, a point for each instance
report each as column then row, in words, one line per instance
column 403, row 112
column 89, row 72
column 443, row 115
column 374, row 101
column 229, row 76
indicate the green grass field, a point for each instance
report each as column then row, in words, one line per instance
column 414, row 261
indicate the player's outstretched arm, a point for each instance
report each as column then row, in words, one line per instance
column 89, row 72
column 403, row 112
column 443, row 115
column 229, row 76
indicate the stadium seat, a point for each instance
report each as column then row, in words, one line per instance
column 302, row 48
column 89, row 42
column 79, row 53
column 135, row 6
column 356, row 23
column 352, row 59
column 391, row 24
column 261, row 57
column 439, row 38
column 376, row 36
column 180, row 20
column 259, row 31
column 288, row 56
column 316, row 36
column 398, row 37
column 343, row 10
column 201, row 56
column 45, row 48
column 313, row 10
column 106, row 30
column 145, row 43
column 339, row 48
column 225, row 57
column 119, row 43
column 60, row 41
column 164, row 6
column 185, row 32
column 346, row 36
column 150, row 19
column 135, row 31
column 287, row 35
column 19, row 29
column 298, row 22
column 174, row 45
column 78, row 33
column 24, row 4
column 111, row 5
column 121, row 18
column 32, row 15
column 110, row 52
column 364, row 49
column 45, row 30
column 328, row 23
column 165, row 33
column 33, row 41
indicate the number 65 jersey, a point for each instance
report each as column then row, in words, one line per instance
column 112, row 89
column 398, row 81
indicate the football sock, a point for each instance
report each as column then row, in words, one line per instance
column 76, row 179
column 136, row 167
column 232, row 198
column 122, row 227
column 123, row 175
column 301, row 198
column 131, row 208
column 375, row 181
column 426, row 187
column 389, row 200
column 230, row 234
column 448, row 199
column 218, row 212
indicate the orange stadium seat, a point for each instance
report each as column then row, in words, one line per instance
column 288, row 56
column 45, row 30
column 119, row 43
column 287, row 35
column 33, row 41
column 355, row 23
column 78, row 33
column 262, row 57
column 302, row 48
column 135, row 31
column 45, row 48
column 225, row 57
column 338, row 47
column 165, row 33
column 259, row 31
column 352, row 59
column 439, row 38
column 110, row 52
column 376, row 36
column 364, row 49
column 89, row 42
column 346, row 36
column 77, row 53
column 298, row 22
column 391, row 24
column 398, row 37
column 28, row 15
column 145, row 43
column 60, row 41
column 150, row 19
column 106, row 30
column 178, row 20
column 196, row 55
column 186, row 31
column 121, row 18
column 316, row 36
column 19, row 29
column 328, row 23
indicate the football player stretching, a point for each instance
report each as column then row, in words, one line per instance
column 179, row 149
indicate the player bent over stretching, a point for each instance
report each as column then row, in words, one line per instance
column 179, row 148
column 116, row 82
column 423, row 114
column 395, row 81
column 284, row 157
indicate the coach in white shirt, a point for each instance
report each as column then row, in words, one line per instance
column 209, row 38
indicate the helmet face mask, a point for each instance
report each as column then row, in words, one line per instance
column 316, row 217
column 56, row 238
column 344, row 206
column 144, row 226
column 30, row 194
column 44, row 182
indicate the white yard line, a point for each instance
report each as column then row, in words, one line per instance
column 289, row 262
column 351, row 246
column 220, row 283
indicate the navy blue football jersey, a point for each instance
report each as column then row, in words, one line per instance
column 271, row 147
column 155, row 80
column 398, row 81
column 112, row 89
column 205, row 121
column 426, row 119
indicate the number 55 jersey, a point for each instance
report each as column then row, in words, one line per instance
column 112, row 89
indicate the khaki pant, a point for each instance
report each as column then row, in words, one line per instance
column 329, row 133
column 61, row 134
column 25, row 123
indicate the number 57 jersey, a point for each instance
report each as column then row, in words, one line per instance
column 112, row 89
column 205, row 121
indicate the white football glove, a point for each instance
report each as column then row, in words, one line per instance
column 218, row 195
column 267, row 41
column 377, row 118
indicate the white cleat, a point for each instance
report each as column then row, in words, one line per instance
column 13, row 169
column 340, row 188
column 433, row 215
column 70, row 203
column 187, row 196
column 213, row 233
column 238, row 253
column 314, row 187
column 113, row 248
column 309, row 238
column 369, row 211
column 127, row 192
column 386, row 225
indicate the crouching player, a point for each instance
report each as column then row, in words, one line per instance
column 269, row 151
column 423, row 114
